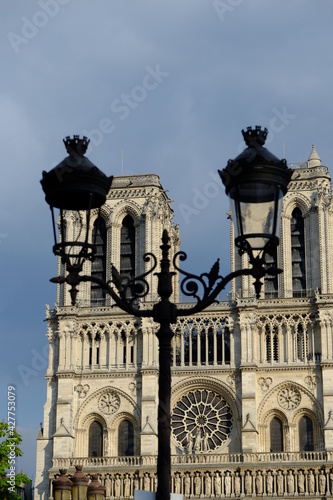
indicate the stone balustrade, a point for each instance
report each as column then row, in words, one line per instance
column 235, row 475
column 290, row 458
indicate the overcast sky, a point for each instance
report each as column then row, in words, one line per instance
column 171, row 84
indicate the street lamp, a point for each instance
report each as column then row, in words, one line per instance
column 96, row 490
column 255, row 181
column 62, row 486
column 80, row 484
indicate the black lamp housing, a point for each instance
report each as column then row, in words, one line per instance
column 76, row 184
column 256, row 182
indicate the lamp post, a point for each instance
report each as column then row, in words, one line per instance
column 255, row 181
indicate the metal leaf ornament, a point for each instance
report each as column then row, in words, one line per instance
column 116, row 278
column 213, row 274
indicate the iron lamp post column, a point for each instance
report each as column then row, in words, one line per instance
column 165, row 313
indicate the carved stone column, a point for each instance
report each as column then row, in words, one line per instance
column 51, row 340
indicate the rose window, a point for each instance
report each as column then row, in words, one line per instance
column 109, row 403
column 201, row 421
column 289, row 398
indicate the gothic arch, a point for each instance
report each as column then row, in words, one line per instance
column 268, row 435
column 105, row 329
column 90, row 418
column 270, row 400
column 295, row 201
column 202, row 340
column 128, row 207
column 274, row 412
column 120, row 398
column 288, row 401
column 105, row 212
column 180, row 389
column 307, row 412
column 114, row 430
column 124, row 415
column 93, row 327
column 82, row 433
column 210, row 322
column 315, row 415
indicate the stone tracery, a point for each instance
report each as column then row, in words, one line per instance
column 109, row 402
column 289, row 397
column 201, row 421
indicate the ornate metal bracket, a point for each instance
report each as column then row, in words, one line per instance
column 203, row 288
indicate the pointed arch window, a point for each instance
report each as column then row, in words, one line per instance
column 301, row 343
column 227, row 345
column 98, row 348
column 210, row 343
column 95, row 440
column 127, row 248
column 203, row 347
column 125, row 439
column 124, row 343
column 187, row 345
column 98, row 266
column 298, row 253
column 194, row 345
column 276, row 435
column 223, row 345
column 305, row 432
column 272, row 343
column 90, row 349
column 271, row 281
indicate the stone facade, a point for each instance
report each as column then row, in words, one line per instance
column 252, row 397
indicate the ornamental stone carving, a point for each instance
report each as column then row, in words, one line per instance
column 264, row 383
column 311, row 381
column 132, row 387
column 234, row 380
column 82, row 390
column 201, row 421
column 109, row 403
column 289, row 398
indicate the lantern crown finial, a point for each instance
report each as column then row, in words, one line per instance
column 255, row 137
column 75, row 145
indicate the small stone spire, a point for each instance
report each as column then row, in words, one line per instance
column 41, row 431
column 313, row 160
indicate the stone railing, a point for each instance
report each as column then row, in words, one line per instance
column 210, row 460
column 230, row 475
column 114, row 462
column 291, row 457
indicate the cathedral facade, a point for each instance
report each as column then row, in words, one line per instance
column 252, row 380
